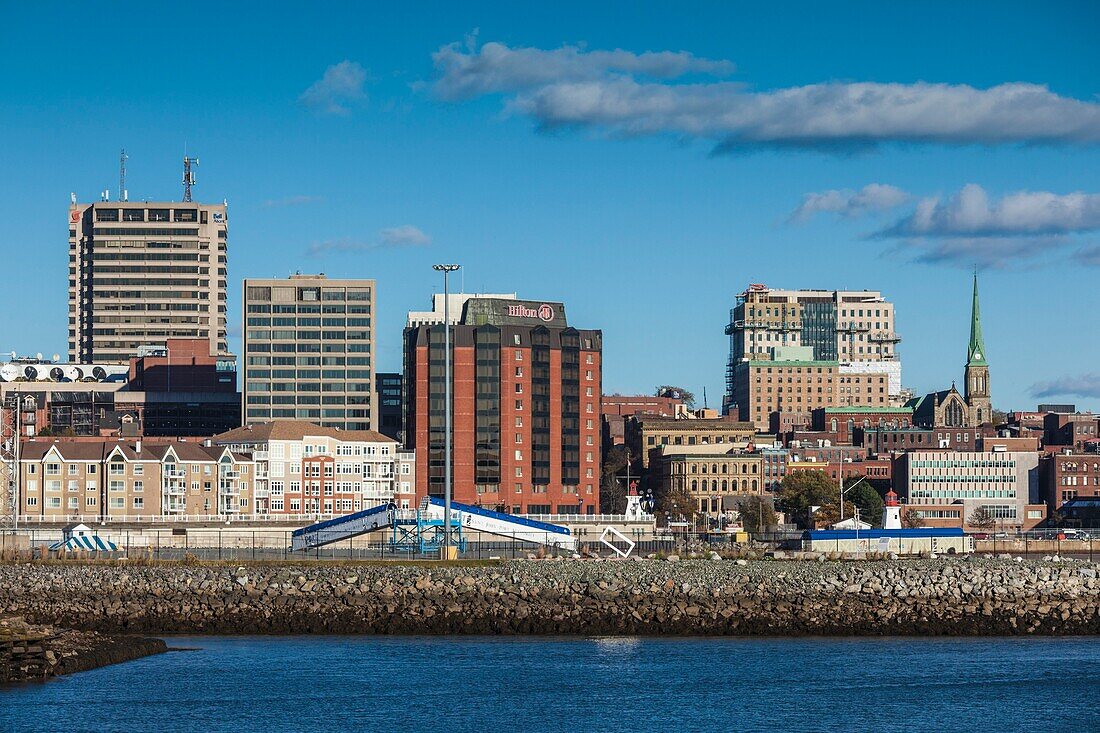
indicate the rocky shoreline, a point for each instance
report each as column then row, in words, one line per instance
column 970, row 596
column 30, row 652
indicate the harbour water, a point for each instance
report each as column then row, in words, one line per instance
column 530, row 685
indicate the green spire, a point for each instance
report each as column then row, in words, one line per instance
column 975, row 354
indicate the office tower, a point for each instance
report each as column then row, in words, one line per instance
column 309, row 351
column 141, row 273
column 526, row 395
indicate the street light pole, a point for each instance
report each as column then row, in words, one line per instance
column 446, row 270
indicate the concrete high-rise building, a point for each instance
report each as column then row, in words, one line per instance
column 309, row 351
column 141, row 273
column 848, row 333
column 526, row 395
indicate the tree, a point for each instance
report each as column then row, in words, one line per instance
column 866, row 498
column 668, row 390
column 981, row 518
column 999, row 417
column 614, row 460
column 757, row 514
column 912, row 519
column 677, row 503
column 613, row 487
column 826, row 516
column 801, row 490
column 612, row 495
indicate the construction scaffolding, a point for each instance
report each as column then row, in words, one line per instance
column 9, row 462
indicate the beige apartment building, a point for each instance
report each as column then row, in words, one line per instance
column 852, row 331
column 646, row 434
column 764, row 387
column 716, row 476
column 304, row 468
column 68, row 479
column 144, row 272
column 309, row 351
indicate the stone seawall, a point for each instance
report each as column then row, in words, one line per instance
column 31, row 653
column 938, row 597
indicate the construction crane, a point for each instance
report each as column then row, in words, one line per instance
column 188, row 176
column 9, row 462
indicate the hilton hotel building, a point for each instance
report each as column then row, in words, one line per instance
column 141, row 273
column 526, row 396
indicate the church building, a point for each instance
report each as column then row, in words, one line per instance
column 972, row 407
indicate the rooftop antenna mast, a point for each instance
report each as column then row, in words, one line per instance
column 188, row 176
column 123, row 194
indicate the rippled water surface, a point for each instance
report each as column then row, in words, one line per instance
column 457, row 684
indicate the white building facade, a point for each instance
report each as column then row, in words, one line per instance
column 303, row 468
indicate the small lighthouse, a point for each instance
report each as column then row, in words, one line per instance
column 891, row 511
column 634, row 508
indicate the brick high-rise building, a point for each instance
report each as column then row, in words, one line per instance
column 141, row 273
column 526, row 396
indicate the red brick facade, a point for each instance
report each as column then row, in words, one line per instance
column 533, row 472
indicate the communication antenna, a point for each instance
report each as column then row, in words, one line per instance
column 188, row 176
column 122, row 193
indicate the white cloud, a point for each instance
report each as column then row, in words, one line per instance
column 337, row 90
column 467, row 72
column 971, row 228
column 403, row 236
column 985, row 252
column 629, row 94
column 850, row 204
column 970, row 212
column 1082, row 385
column 389, row 238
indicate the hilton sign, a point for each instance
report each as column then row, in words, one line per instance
column 544, row 312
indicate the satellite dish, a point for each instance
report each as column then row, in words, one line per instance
column 31, row 373
column 57, row 357
column 57, row 374
column 38, row 356
column 74, row 373
column 99, row 373
column 9, row 372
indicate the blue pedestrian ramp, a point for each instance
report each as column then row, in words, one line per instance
column 342, row 528
column 506, row 525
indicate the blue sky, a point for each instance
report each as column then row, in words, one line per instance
column 645, row 191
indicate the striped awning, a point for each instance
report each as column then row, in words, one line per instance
column 93, row 543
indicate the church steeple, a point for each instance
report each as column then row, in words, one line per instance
column 975, row 354
column 976, row 384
